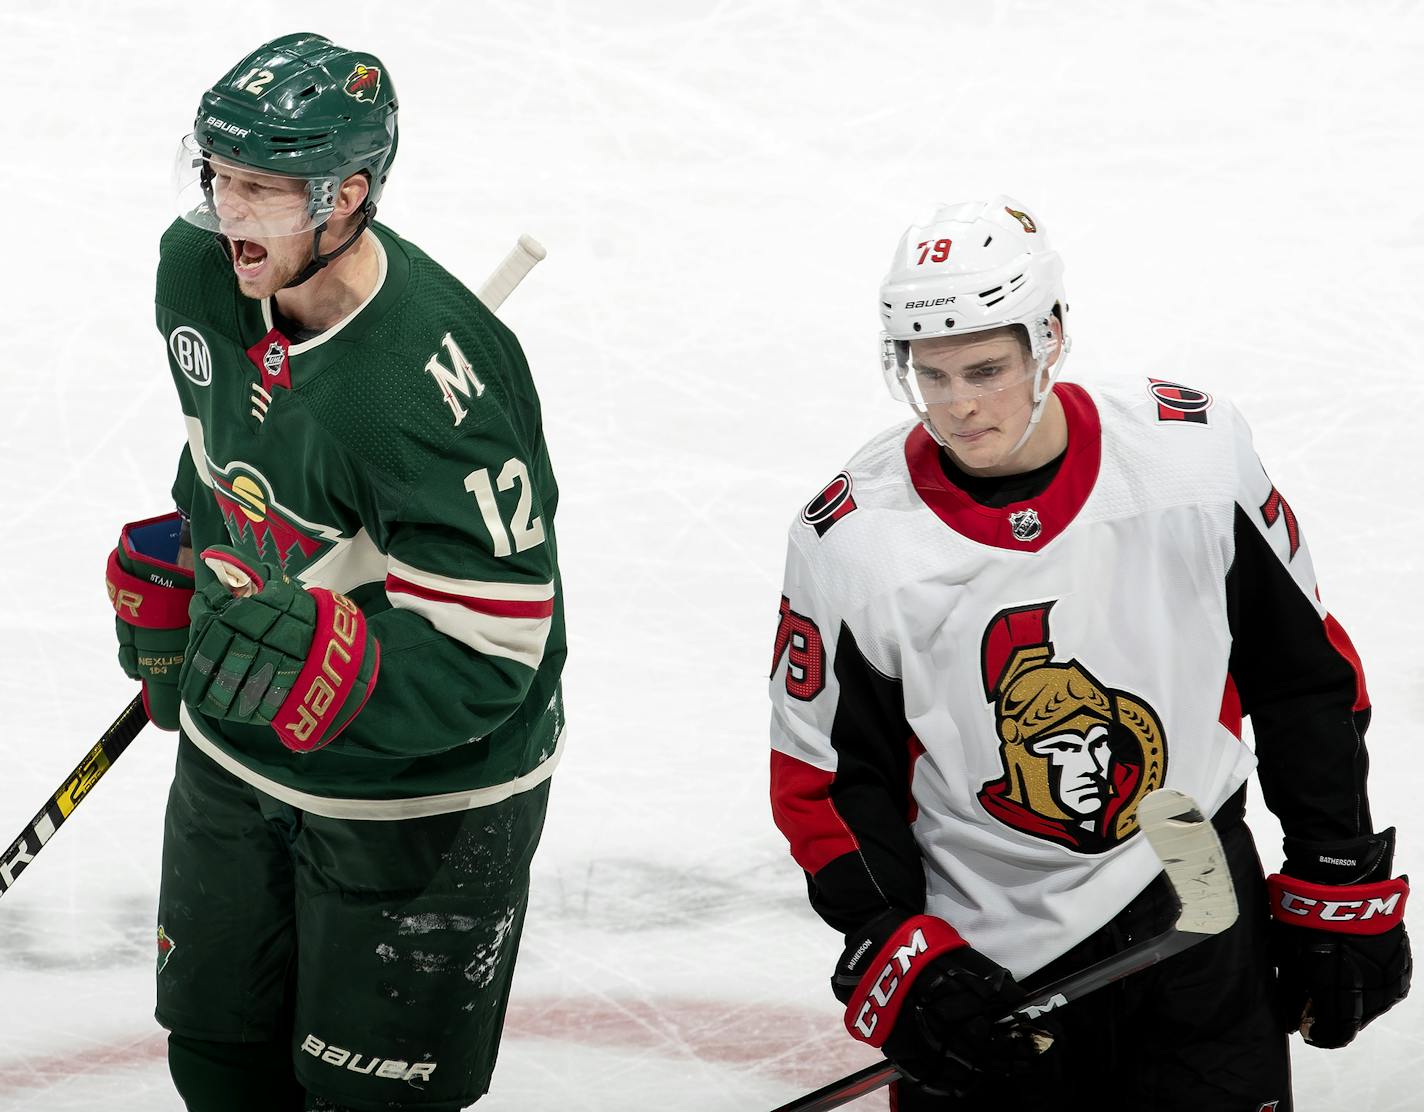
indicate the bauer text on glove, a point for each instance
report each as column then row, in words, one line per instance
column 266, row 650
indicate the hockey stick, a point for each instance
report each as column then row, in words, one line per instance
column 1196, row 867
column 71, row 793
column 519, row 262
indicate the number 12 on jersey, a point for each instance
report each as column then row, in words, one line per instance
column 523, row 532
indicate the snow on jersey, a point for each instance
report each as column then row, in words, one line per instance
column 969, row 702
column 398, row 458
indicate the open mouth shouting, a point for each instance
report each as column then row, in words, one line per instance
column 249, row 258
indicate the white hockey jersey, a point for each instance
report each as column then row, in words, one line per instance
column 968, row 702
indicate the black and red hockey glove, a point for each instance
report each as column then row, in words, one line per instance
column 1339, row 939
column 916, row 990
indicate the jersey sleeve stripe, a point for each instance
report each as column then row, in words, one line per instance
column 1341, row 643
column 495, row 607
column 470, row 588
column 510, row 620
column 802, row 809
column 518, row 639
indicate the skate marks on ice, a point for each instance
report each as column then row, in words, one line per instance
column 623, row 999
column 42, row 938
column 567, row 1052
column 630, row 894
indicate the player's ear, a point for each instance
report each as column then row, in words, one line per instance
column 1055, row 325
column 352, row 195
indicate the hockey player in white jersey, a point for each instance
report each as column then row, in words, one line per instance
column 1002, row 625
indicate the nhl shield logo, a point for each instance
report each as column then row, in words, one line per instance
column 271, row 356
column 1025, row 525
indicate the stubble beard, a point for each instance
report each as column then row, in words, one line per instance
column 274, row 280
column 275, row 276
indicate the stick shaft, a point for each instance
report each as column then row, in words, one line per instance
column 71, row 793
column 1132, row 960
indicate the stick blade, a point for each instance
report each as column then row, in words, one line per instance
column 1191, row 853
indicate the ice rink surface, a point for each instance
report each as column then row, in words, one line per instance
column 1235, row 190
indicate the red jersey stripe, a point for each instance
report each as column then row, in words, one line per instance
column 1340, row 641
column 1230, row 716
column 802, row 809
column 498, row 607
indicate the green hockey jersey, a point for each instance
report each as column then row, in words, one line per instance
column 398, row 458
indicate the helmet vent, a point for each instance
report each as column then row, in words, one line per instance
column 988, row 298
column 988, row 241
column 309, row 91
column 310, row 140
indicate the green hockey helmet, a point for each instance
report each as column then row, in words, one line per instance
column 277, row 135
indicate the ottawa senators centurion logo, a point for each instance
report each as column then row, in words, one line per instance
column 1077, row 755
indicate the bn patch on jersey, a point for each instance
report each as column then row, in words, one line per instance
column 190, row 352
column 832, row 504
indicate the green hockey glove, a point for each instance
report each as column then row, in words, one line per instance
column 150, row 595
column 265, row 650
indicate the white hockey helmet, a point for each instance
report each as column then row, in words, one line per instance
column 966, row 268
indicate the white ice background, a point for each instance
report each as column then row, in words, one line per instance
column 1234, row 187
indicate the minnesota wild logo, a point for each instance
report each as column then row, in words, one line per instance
column 166, row 946
column 364, row 83
column 256, row 520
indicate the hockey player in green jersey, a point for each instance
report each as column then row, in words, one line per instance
column 363, row 659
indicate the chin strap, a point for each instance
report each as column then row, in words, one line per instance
column 318, row 260
column 1042, row 388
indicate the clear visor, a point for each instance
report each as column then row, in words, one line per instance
column 948, row 376
column 243, row 203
